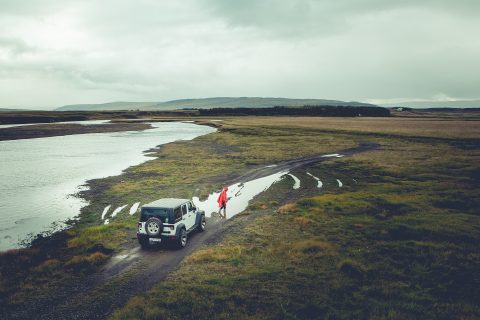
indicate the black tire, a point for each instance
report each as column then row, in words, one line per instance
column 182, row 239
column 154, row 227
column 203, row 224
column 144, row 243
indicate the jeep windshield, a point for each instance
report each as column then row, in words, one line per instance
column 162, row 213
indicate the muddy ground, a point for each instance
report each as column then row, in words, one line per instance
column 133, row 271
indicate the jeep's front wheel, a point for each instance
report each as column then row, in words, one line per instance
column 182, row 239
column 203, row 224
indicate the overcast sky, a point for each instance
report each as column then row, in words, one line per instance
column 57, row 52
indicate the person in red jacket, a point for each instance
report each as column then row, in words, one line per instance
column 222, row 202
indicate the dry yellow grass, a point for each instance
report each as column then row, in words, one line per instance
column 427, row 127
column 215, row 254
column 302, row 221
column 289, row 207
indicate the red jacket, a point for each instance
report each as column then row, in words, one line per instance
column 222, row 198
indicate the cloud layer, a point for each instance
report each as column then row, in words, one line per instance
column 63, row 52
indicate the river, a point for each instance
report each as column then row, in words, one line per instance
column 38, row 177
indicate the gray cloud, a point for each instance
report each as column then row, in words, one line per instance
column 61, row 52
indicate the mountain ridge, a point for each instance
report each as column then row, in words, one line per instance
column 202, row 103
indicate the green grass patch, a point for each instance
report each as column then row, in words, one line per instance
column 400, row 243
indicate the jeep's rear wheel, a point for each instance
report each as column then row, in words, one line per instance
column 182, row 239
column 153, row 226
column 203, row 224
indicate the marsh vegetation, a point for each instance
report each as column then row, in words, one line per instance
column 397, row 240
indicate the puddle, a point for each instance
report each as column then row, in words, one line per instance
column 319, row 182
column 239, row 195
column 296, row 185
column 340, row 184
column 117, row 211
column 134, row 208
column 105, row 211
column 333, row 155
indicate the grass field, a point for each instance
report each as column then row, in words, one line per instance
column 422, row 126
column 399, row 243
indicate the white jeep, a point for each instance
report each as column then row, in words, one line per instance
column 169, row 220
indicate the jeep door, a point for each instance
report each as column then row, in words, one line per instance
column 192, row 212
column 188, row 216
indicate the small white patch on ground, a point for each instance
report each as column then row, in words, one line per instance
column 271, row 166
column 134, row 208
column 105, row 211
column 107, row 221
column 354, row 180
column 330, row 155
column 296, row 185
column 117, row 211
column 238, row 201
column 340, row 184
column 319, row 182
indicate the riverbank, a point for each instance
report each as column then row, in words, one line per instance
column 366, row 247
column 65, row 129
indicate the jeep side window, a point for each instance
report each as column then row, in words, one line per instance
column 178, row 214
column 191, row 207
column 184, row 209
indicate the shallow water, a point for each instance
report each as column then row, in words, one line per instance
column 319, row 182
column 239, row 195
column 86, row 122
column 38, row 176
column 296, row 184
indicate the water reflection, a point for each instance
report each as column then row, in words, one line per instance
column 39, row 176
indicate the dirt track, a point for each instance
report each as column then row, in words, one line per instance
column 134, row 271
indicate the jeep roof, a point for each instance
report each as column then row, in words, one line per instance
column 166, row 203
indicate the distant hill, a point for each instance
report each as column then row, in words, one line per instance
column 436, row 104
column 220, row 102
